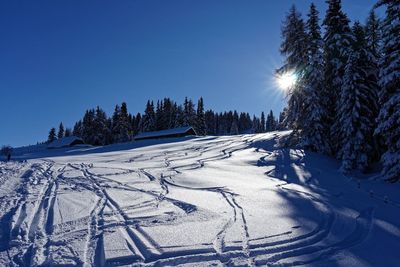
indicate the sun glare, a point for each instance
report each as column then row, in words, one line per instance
column 286, row 80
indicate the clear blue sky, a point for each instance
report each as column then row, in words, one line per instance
column 59, row 58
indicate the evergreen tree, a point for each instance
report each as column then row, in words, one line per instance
column 389, row 115
column 159, row 116
column 373, row 34
column 68, row 132
column 271, row 122
column 100, row 128
column 358, row 107
column 294, row 48
column 137, row 124
column 52, row 135
column 77, row 131
column 234, row 128
column 189, row 113
column 210, row 121
column 148, row 120
column 125, row 133
column 87, row 126
column 315, row 132
column 337, row 40
column 60, row 131
column 262, row 121
column 201, row 128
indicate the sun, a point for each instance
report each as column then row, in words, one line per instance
column 286, row 80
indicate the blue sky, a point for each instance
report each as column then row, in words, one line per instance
column 59, row 58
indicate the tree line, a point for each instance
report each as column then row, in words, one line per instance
column 346, row 100
column 96, row 128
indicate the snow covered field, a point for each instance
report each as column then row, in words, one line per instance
column 235, row 201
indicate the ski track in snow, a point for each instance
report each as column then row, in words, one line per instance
column 36, row 229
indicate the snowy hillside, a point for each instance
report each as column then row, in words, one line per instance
column 236, row 200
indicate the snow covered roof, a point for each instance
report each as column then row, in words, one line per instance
column 167, row 133
column 65, row 142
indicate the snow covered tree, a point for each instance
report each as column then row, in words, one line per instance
column 60, row 131
column 389, row 115
column 337, row 40
column 52, row 135
column 315, row 132
column 294, row 48
column 357, row 107
column 201, row 128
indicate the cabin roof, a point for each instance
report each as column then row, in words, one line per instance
column 174, row 131
column 65, row 141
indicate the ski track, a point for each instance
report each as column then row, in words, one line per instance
column 27, row 235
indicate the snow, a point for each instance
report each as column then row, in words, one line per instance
column 231, row 200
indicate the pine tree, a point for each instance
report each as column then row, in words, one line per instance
column 52, row 135
column 294, row 48
column 389, row 115
column 60, row 131
column 337, row 40
column 315, row 132
column 358, row 107
column 201, row 128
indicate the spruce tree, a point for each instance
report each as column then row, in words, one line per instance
column 77, row 131
column 100, row 128
column 373, row 34
column 52, row 135
column 271, row 123
column 389, row 116
column 262, row 121
column 189, row 113
column 201, row 128
column 148, row 120
column 60, row 131
column 125, row 130
column 294, row 49
column 87, row 126
column 315, row 132
column 337, row 41
column 357, row 107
